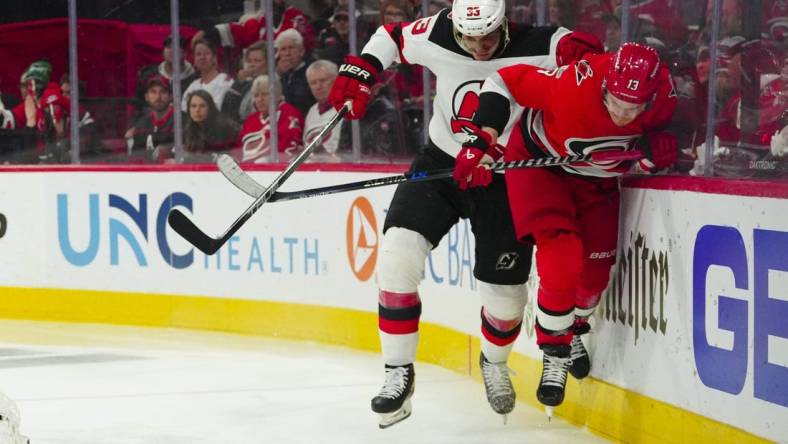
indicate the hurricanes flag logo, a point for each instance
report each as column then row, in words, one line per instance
column 362, row 239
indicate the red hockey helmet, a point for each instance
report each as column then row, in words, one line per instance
column 632, row 74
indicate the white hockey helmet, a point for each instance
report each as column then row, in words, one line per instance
column 475, row 18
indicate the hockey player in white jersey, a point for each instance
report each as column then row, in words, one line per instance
column 461, row 47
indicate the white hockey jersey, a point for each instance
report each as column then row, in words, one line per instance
column 430, row 42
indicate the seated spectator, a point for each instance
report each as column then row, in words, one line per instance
column 291, row 64
column 216, row 83
column 255, row 137
column 612, row 33
column 321, row 75
column 27, row 114
column 252, row 29
column 153, row 130
column 239, row 101
column 591, row 15
column 165, row 69
column 333, row 42
column 380, row 128
column 206, row 131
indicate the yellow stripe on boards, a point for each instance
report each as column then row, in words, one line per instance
column 605, row 409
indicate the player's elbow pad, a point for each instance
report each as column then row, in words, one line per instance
column 493, row 111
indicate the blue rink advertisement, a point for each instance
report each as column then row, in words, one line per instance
column 695, row 311
column 694, row 315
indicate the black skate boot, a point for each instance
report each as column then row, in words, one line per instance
column 393, row 401
column 555, row 364
column 500, row 393
column 581, row 362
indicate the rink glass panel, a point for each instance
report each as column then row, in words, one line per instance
column 119, row 46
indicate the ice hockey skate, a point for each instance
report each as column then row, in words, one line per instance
column 498, row 386
column 555, row 364
column 580, row 366
column 393, row 401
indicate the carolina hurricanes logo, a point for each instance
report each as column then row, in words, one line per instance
column 583, row 71
column 578, row 146
column 362, row 239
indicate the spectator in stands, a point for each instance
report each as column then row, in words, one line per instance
column 29, row 113
column 239, row 100
column 612, row 33
column 206, row 130
column 153, row 130
column 216, row 83
column 253, row 28
column 436, row 6
column 333, row 42
column 255, row 137
column 291, row 64
column 320, row 75
column 165, row 69
column 591, row 15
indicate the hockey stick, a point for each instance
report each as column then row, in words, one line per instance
column 238, row 177
column 209, row 245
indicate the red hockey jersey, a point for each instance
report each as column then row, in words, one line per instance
column 255, row 137
column 565, row 114
column 245, row 33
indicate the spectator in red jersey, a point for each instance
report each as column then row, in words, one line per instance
column 216, row 83
column 251, row 29
column 255, row 137
column 206, row 130
column 153, row 130
column 591, row 16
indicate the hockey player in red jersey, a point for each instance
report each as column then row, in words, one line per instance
column 461, row 47
column 617, row 101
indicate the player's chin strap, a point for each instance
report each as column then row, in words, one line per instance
column 504, row 42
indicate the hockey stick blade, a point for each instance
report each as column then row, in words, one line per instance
column 208, row 245
column 238, row 177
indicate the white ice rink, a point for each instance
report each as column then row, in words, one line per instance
column 94, row 384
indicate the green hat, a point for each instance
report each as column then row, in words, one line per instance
column 39, row 71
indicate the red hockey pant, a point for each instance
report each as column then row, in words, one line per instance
column 573, row 220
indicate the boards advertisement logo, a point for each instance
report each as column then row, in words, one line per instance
column 362, row 239
column 635, row 297
column 3, row 225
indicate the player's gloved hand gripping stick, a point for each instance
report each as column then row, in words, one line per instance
column 209, row 245
column 238, row 177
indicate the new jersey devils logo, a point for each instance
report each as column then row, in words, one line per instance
column 464, row 104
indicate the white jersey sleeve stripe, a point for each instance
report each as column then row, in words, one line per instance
column 495, row 84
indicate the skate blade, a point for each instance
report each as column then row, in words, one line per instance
column 549, row 411
column 389, row 419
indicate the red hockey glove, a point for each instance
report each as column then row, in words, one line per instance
column 470, row 168
column 354, row 84
column 660, row 150
column 572, row 47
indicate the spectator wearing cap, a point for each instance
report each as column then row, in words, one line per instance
column 28, row 113
column 211, row 80
column 333, row 42
column 291, row 64
column 255, row 137
column 239, row 100
column 154, row 129
column 165, row 69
